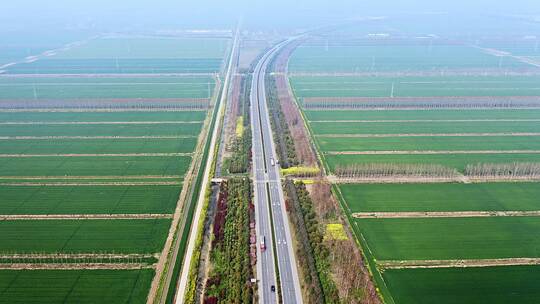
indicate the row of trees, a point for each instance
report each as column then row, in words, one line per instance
column 375, row 170
column 241, row 147
column 525, row 170
column 229, row 279
column 282, row 135
column 400, row 103
column 313, row 255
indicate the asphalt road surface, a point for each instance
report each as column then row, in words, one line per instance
column 271, row 217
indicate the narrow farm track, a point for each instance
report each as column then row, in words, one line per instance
column 105, row 256
column 397, row 180
column 17, row 217
column 428, row 152
column 426, row 135
column 443, row 214
column 91, row 177
column 101, row 110
column 9, row 123
column 172, row 183
column 112, row 75
column 457, row 263
column 75, row 266
column 429, row 180
column 96, row 155
column 425, row 120
column 94, row 137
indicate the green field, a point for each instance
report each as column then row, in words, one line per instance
column 337, row 115
column 382, row 58
column 425, row 127
column 102, row 130
column 495, row 285
column 94, row 166
column 98, row 146
column 120, row 236
column 75, row 286
column 379, row 86
column 105, row 88
column 458, row 161
column 128, row 55
column 466, row 238
column 432, row 143
column 441, row 197
column 101, row 116
column 88, row 199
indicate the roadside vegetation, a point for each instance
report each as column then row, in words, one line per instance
column 241, row 144
column 231, row 271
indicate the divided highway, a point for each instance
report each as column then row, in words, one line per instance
column 272, row 225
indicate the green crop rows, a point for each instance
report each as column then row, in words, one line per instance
column 75, row 286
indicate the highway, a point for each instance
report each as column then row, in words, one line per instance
column 271, row 217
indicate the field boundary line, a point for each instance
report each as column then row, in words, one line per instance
column 90, row 177
column 96, row 155
column 94, row 137
column 79, row 255
column 179, row 122
column 75, row 266
column 107, row 75
column 443, row 214
column 172, row 183
column 396, row 180
column 430, row 152
column 100, row 110
column 424, row 120
column 413, row 264
column 426, row 180
column 17, row 217
column 428, row 135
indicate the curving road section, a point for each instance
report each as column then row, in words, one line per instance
column 272, row 225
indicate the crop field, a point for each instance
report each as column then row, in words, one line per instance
column 465, row 285
column 105, row 88
column 75, row 286
column 96, row 140
column 398, row 125
column 369, row 57
column 111, row 199
column 382, row 86
column 441, row 197
column 123, row 55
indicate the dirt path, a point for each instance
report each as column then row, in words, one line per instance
column 426, row 135
column 74, row 266
column 425, row 120
column 172, row 183
column 78, row 256
column 8, row 123
column 430, row 152
column 91, row 177
column 100, row 110
column 396, row 180
column 112, row 75
column 457, row 263
column 17, row 217
column 440, row 214
column 96, row 155
column 93, row 137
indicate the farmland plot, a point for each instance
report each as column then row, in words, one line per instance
column 95, row 142
column 398, row 125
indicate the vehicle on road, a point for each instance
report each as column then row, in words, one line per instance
column 273, row 288
column 272, row 162
column 263, row 243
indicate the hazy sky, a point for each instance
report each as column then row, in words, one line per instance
column 120, row 14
